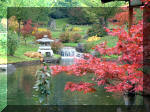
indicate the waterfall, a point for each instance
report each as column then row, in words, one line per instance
column 70, row 52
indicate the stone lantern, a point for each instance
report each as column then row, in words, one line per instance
column 45, row 48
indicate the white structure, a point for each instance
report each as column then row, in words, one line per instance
column 45, row 48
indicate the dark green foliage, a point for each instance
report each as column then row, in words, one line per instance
column 82, row 16
column 96, row 29
column 3, row 41
column 36, row 14
column 12, row 43
column 57, row 13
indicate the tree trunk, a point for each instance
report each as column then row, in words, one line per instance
column 19, row 31
column 106, row 22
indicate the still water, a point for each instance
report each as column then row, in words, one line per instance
column 21, row 82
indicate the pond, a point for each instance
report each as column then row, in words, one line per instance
column 21, row 82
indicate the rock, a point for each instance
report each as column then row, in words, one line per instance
column 51, row 60
column 85, row 36
column 80, row 47
column 53, row 24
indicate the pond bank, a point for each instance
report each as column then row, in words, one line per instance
column 3, row 67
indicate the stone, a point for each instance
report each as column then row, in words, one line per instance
column 80, row 47
column 85, row 36
column 53, row 24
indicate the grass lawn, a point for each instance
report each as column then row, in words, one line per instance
column 111, row 40
column 60, row 23
column 19, row 54
column 3, row 91
column 70, row 44
column 22, row 48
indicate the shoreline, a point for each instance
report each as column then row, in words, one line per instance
column 31, row 62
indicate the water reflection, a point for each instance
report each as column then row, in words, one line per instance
column 21, row 82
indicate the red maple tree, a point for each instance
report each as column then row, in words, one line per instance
column 27, row 29
column 125, row 76
column 116, row 77
column 122, row 17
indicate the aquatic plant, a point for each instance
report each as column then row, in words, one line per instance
column 43, row 84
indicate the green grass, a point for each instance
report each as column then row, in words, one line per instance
column 3, row 91
column 56, row 34
column 70, row 44
column 112, row 56
column 22, row 48
column 57, row 56
column 60, row 23
column 111, row 40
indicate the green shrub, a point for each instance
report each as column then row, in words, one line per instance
column 12, row 43
column 88, row 46
column 3, row 43
column 64, row 37
column 56, row 46
column 96, row 29
column 75, row 37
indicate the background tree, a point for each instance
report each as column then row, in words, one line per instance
column 27, row 29
column 83, row 17
column 12, row 43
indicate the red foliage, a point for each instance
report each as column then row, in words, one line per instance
column 27, row 28
column 116, row 77
column 122, row 17
column 41, row 34
column 82, row 86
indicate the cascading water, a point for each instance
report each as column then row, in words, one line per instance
column 68, row 54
